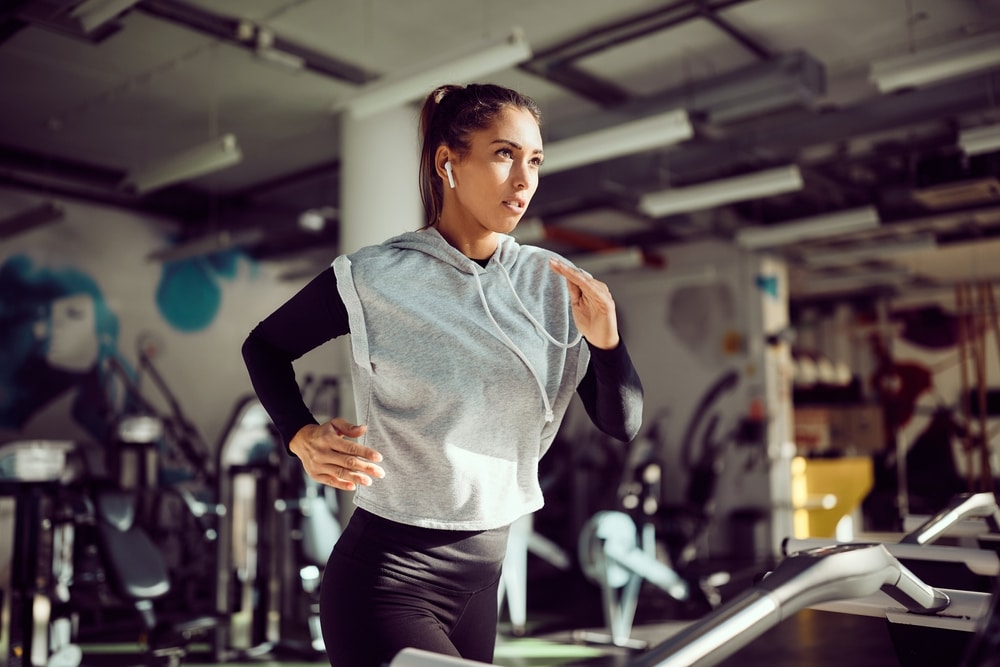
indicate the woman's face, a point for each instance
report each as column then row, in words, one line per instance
column 496, row 180
column 70, row 333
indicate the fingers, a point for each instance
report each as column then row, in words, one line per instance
column 574, row 277
column 346, row 428
column 330, row 458
column 341, row 477
column 592, row 303
column 580, row 282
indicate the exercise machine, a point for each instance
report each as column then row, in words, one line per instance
column 804, row 579
column 77, row 552
column 963, row 506
column 957, row 567
column 36, row 556
column 275, row 540
column 616, row 556
column 246, row 567
column 801, row 580
column 968, row 574
column 523, row 540
column 619, row 550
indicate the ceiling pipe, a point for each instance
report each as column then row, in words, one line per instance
column 249, row 36
column 45, row 213
column 784, row 138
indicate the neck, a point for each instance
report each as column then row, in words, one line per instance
column 475, row 245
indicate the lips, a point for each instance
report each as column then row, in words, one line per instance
column 517, row 204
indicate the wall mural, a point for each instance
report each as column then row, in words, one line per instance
column 78, row 297
column 57, row 333
column 56, row 330
column 703, row 318
column 189, row 295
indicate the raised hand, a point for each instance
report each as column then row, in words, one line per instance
column 593, row 306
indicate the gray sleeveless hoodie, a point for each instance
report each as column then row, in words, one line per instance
column 461, row 373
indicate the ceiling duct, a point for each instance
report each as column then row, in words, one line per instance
column 789, row 80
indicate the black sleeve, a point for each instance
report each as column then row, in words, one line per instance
column 313, row 316
column 612, row 393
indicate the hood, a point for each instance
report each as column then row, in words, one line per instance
column 430, row 242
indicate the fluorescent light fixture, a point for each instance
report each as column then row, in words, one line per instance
column 871, row 252
column 818, row 227
column 43, row 214
column 630, row 137
column 92, row 14
column 213, row 156
column 723, row 191
column 935, row 64
column 465, row 65
column 980, row 140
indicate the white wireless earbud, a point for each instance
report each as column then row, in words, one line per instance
column 451, row 178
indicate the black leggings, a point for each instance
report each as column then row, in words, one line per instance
column 389, row 586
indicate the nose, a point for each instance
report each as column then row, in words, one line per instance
column 522, row 176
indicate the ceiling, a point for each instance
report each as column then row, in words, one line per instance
column 765, row 83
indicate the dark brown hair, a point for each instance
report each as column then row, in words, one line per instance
column 450, row 113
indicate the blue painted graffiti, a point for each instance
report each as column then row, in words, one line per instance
column 55, row 332
column 189, row 296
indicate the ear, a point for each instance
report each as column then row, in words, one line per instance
column 440, row 157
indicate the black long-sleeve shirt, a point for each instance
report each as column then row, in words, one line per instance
column 610, row 390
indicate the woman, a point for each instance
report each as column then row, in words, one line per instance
column 466, row 349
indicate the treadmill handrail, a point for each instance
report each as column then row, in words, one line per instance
column 962, row 506
column 984, row 562
column 803, row 579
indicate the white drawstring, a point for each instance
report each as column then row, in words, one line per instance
column 531, row 317
column 549, row 416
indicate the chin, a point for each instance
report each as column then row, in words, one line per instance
column 516, row 220
column 508, row 229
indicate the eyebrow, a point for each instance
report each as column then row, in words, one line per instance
column 514, row 144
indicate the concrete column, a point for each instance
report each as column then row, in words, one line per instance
column 379, row 193
column 379, row 199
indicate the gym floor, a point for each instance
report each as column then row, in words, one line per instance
column 557, row 637
column 807, row 639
